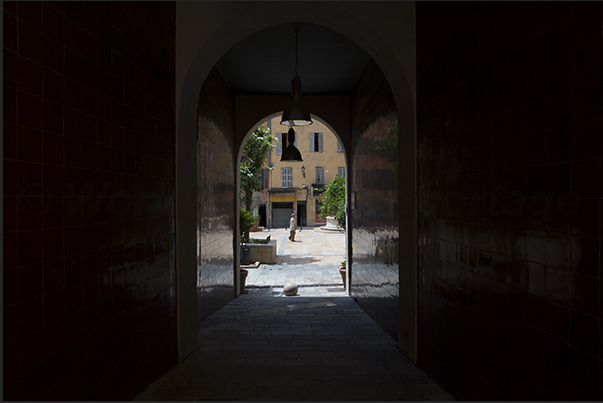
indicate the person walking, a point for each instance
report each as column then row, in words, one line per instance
column 292, row 228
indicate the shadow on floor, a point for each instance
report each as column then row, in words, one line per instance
column 271, row 347
column 294, row 259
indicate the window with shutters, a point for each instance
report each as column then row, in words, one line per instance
column 339, row 147
column 316, row 142
column 320, row 175
column 279, row 143
column 287, row 177
column 341, row 172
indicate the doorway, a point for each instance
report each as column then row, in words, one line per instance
column 262, row 215
column 302, row 220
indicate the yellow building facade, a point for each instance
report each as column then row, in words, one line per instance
column 295, row 186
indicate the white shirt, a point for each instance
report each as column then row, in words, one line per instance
column 292, row 224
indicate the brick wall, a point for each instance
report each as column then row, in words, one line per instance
column 89, row 276
column 509, row 176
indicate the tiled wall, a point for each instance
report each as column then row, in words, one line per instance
column 215, row 196
column 89, row 295
column 375, row 216
column 509, row 178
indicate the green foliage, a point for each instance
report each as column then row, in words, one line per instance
column 246, row 221
column 343, row 265
column 333, row 201
column 253, row 161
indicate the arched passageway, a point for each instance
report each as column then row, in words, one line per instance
column 195, row 64
column 295, row 187
column 509, row 230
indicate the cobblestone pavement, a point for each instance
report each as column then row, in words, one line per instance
column 317, row 345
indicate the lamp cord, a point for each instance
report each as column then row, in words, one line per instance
column 296, row 75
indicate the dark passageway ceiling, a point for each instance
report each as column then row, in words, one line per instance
column 264, row 63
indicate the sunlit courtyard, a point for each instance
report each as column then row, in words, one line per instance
column 311, row 263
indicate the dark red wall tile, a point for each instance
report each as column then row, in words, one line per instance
column 10, row 358
column 543, row 103
column 11, row 290
column 29, row 110
column 29, row 144
column 586, row 178
column 10, row 104
column 54, row 275
column 54, row 55
column 54, row 211
column 30, row 247
column 585, row 294
column 53, row 86
column 10, row 68
column 30, row 76
column 53, row 119
column 30, row 13
column 31, row 316
column 30, row 39
column 586, row 101
column 11, row 243
column 586, row 140
column 51, row 55
column 54, row 25
column 31, row 281
column 10, row 29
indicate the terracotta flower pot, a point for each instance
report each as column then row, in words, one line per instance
column 343, row 277
column 244, row 274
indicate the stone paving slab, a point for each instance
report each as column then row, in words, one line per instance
column 311, row 246
column 288, row 363
column 317, row 345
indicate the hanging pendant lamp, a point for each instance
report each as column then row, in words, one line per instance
column 296, row 114
column 291, row 153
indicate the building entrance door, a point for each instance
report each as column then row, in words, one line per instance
column 281, row 213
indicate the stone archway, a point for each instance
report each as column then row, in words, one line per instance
column 205, row 31
column 336, row 106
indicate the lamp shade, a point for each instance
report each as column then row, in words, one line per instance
column 296, row 113
column 291, row 153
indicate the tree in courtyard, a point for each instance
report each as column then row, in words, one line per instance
column 254, row 157
column 333, row 201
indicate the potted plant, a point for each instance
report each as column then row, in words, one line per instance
column 247, row 220
column 342, row 270
column 333, row 202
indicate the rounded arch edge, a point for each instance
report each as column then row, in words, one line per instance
column 193, row 67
